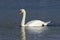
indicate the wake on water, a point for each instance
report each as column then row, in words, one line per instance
column 36, row 29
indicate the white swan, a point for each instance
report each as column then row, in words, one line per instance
column 33, row 22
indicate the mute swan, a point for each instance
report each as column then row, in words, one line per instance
column 33, row 22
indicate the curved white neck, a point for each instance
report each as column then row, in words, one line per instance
column 23, row 19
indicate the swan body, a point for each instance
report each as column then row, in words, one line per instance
column 33, row 22
column 36, row 23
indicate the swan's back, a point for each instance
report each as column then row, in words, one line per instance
column 35, row 23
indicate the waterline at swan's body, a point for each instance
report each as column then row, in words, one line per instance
column 36, row 29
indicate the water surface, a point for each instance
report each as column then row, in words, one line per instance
column 52, row 33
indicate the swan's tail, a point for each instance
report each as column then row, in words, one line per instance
column 47, row 23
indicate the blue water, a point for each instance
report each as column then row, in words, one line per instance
column 53, row 33
column 44, row 10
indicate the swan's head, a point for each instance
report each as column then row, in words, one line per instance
column 21, row 11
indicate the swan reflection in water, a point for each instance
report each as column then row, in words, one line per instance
column 36, row 29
